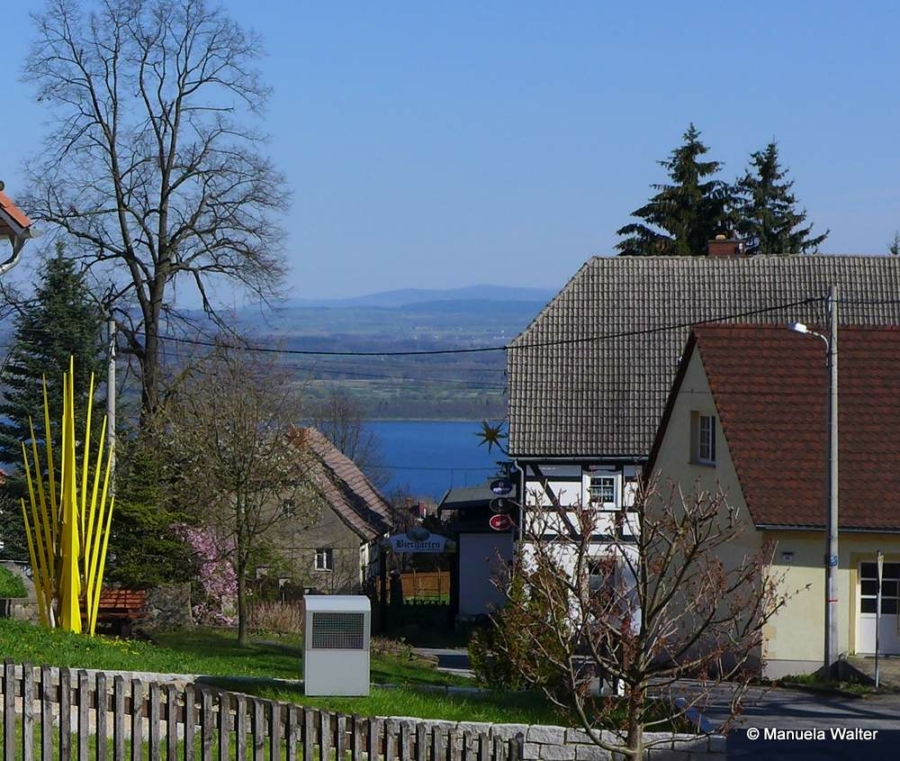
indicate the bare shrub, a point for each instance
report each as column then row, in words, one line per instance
column 280, row 617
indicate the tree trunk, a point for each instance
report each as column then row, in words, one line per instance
column 150, row 368
column 241, row 571
column 634, row 741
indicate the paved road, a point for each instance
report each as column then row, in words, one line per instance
column 768, row 713
column 451, row 660
column 775, row 710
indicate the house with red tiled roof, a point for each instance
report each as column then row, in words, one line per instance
column 15, row 226
column 335, row 552
column 748, row 414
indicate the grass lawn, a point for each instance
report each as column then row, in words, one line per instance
column 216, row 655
column 819, row 683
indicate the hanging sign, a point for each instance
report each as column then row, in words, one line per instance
column 418, row 539
column 500, row 522
column 501, row 487
column 500, row 505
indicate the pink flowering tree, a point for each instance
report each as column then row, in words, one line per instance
column 218, row 581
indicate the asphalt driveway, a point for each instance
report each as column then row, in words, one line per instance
column 788, row 724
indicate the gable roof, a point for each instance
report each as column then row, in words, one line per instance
column 345, row 488
column 770, row 387
column 589, row 377
column 13, row 220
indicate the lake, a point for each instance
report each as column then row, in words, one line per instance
column 427, row 457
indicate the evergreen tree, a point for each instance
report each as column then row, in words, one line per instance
column 766, row 209
column 686, row 213
column 146, row 548
column 894, row 245
column 61, row 321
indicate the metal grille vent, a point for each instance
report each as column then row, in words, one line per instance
column 338, row 631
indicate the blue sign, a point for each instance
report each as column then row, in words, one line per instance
column 501, row 487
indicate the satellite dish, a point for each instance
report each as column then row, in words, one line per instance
column 2, row 186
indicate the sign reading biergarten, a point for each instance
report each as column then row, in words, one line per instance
column 419, row 539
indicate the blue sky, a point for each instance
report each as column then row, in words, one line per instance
column 448, row 144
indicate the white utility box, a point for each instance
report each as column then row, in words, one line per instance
column 336, row 644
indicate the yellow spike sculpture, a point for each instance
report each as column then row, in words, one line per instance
column 68, row 532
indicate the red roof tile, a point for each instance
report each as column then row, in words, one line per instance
column 10, row 212
column 771, row 391
column 344, row 486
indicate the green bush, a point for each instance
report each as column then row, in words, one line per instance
column 509, row 654
column 11, row 585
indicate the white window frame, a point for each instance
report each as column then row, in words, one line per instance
column 324, row 560
column 706, row 439
column 612, row 485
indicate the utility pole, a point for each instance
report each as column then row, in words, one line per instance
column 831, row 488
column 111, row 402
column 831, row 554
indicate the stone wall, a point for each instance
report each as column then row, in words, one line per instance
column 19, row 608
column 169, row 607
column 549, row 743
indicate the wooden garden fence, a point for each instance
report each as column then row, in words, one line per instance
column 187, row 722
column 431, row 584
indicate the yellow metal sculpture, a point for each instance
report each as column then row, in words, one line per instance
column 68, row 528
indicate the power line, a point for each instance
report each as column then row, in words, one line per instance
column 505, row 347
column 521, row 346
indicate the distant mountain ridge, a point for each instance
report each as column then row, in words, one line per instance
column 409, row 296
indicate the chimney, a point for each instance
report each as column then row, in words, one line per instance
column 725, row 246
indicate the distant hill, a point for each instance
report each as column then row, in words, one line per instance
column 451, row 386
column 407, row 296
column 460, row 386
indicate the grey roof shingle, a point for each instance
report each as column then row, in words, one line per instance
column 580, row 386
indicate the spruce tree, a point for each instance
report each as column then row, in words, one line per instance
column 766, row 210
column 686, row 213
column 62, row 320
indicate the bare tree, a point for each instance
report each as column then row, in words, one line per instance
column 239, row 465
column 340, row 419
column 671, row 596
column 151, row 166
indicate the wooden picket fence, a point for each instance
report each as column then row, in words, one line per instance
column 195, row 722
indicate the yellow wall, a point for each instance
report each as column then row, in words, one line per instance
column 798, row 631
column 795, row 636
column 673, row 463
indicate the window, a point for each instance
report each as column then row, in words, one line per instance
column 602, row 574
column 890, row 588
column 289, row 508
column 325, row 559
column 603, row 490
column 703, row 438
column 706, row 451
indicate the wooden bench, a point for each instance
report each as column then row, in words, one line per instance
column 119, row 609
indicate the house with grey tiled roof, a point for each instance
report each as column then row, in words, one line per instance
column 589, row 377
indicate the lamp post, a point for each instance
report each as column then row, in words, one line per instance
column 831, row 527
column 879, row 563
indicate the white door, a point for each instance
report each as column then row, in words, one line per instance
column 889, row 629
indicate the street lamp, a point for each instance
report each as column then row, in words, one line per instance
column 831, row 527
